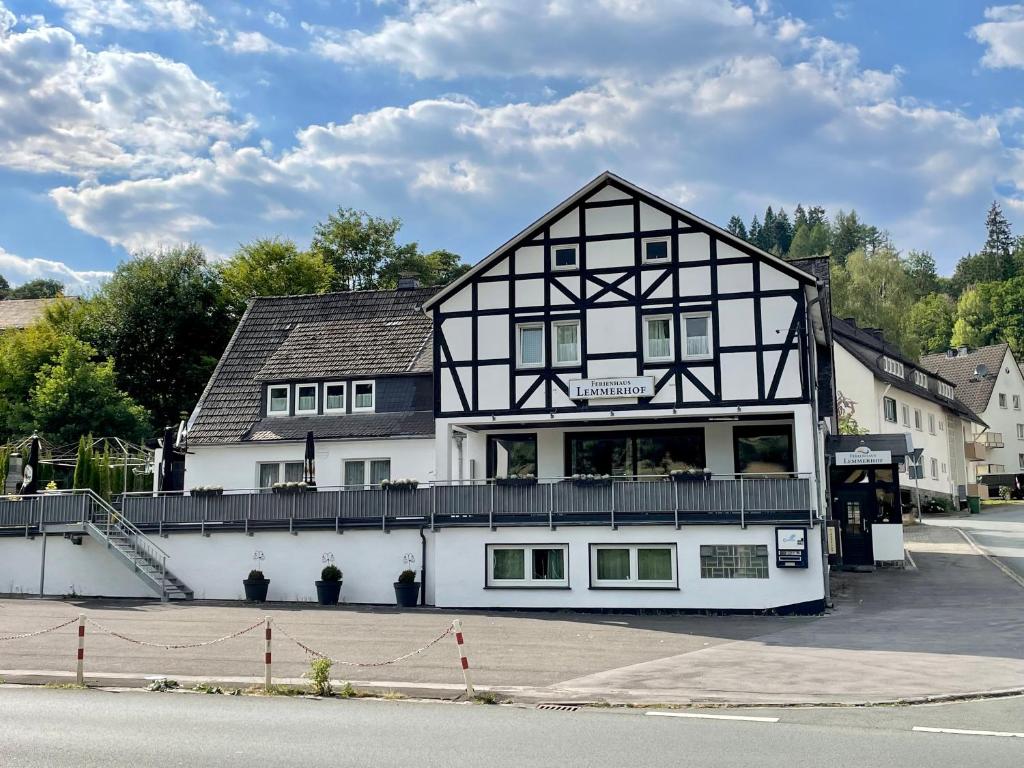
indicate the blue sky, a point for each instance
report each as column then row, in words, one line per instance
column 128, row 125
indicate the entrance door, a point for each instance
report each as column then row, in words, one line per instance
column 855, row 509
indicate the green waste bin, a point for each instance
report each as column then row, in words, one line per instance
column 974, row 502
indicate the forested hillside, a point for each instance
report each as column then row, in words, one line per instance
column 902, row 292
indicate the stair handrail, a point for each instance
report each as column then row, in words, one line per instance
column 114, row 517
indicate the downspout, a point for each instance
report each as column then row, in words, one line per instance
column 823, row 483
column 423, row 568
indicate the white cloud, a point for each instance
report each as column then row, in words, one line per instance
column 89, row 16
column 18, row 270
column 1002, row 35
column 7, row 20
column 252, row 42
column 275, row 19
column 67, row 109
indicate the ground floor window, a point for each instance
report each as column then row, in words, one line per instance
column 270, row 472
column 509, row 455
column 734, row 561
column 763, row 449
column 366, row 472
column 528, row 565
column 647, row 452
column 633, row 566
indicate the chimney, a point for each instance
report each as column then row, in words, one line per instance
column 876, row 332
column 961, row 351
column 407, row 281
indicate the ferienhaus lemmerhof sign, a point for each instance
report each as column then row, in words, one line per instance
column 595, row 389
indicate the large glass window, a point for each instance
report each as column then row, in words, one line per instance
column 527, row 565
column 763, row 449
column 531, row 345
column 633, row 566
column 273, row 471
column 567, row 343
column 646, row 452
column 509, row 455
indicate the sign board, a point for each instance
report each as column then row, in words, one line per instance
column 862, row 456
column 596, row 389
column 791, row 547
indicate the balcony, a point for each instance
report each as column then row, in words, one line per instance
column 741, row 499
column 991, row 469
column 991, row 439
column 976, row 451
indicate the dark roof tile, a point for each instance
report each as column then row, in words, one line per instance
column 975, row 391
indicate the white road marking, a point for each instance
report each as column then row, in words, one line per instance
column 699, row 716
column 962, row 732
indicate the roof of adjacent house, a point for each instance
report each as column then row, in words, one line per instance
column 322, row 336
column 21, row 313
column 869, row 347
column 972, row 389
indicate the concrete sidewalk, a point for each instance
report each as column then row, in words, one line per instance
column 953, row 626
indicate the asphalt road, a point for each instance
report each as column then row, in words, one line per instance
column 45, row 727
column 999, row 530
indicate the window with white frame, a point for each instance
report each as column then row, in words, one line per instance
column 565, row 257
column 935, row 469
column 363, row 396
column 1020, row 460
column 931, row 423
column 696, row 335
column 1002, row 400
column 306, row 397
column 367, row 473
column 895, row 367
column 656, row 250
column 905, row 411
column 334, row 397
column 918, row 420
column 658, row 338
column 945, row 390
column 1016, row 402
column 278, row 399
column 942, row 425
column 633, row 566
column 566, row 342
column 889, row 409
column 921, row 379
column 530, row 345
column 538, row 566
column 270, row 472
column 943, row 467
column 1020, row 431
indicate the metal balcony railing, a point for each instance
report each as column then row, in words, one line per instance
column 991, row 439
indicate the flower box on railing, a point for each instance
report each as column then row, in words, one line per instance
column 404, row 484
column 516, row 480
column 584, row 481
column 205, row 491
column 290, row 488
column 690, row 475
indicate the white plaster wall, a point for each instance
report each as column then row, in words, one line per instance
column 1005, row 420
column 234, row 466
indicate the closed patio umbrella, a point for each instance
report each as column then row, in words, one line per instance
column 167, row 462
column 309, row 465
column 30, row 477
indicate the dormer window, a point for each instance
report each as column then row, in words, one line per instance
column 945, row 390
column 334, row 397
column 895, row 367
column 306, row 397
column 565, row 257
column 363, row 396
column 278, row 400
column 921, row 379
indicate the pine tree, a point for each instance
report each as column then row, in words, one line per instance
column 799, row 218
column 783, row 232
column 816, row 216
column 754, row 233
column 999, row 243
column 83, row 463
column 736, row 227
column 767, row 239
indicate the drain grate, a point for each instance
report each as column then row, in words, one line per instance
column 559, row 707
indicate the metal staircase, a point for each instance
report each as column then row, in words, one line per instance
column 132, row 547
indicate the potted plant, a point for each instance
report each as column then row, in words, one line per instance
column 689, row 475
column 584, row 480
column 328, row 589
column 289, row 488
column 406, row 484
column 256, row 587
column 407, row 590
column 203, row 491
column 526, row 479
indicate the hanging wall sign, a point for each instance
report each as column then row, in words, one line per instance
column 791, row 547
column 596, row 389
column 862, row 456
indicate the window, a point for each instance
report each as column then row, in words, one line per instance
column 935, row 469
column 567, row 342
column 363, row 396
column 931, row 423
column 942, row 426
column 905, row 411
column 277, row 400
column 565, row 257
column 356, row 472
column 764, row 449
column 633, row 566
column 1016, row 402
column 272, row 472
column 334, row 398
column 894, row 367
column 918, row 423
column 306, row 396
column 696, row 336
column 921, row 379
column 1020, row 460
column 509, row 455
column 735, row 561
column 1002, row 400
column 889, row 408
column 531, row 345
column 528, row 565
column 656, row 250
column 1020, row 431
column 943, row 467
column 945, row 390
column 638, row 452
column 658, row 338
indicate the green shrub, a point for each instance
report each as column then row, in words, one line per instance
column 255, row 575
column 407, row 577
column 330, row 573
column 320, row 677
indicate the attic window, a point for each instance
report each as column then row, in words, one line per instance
column 306, row 396
column 945, row 390
column 921, row 379
column 334, row 397
column 565, row 257
column 895, row 367
column 363, row 396
column 277, row 400
column 656, row 250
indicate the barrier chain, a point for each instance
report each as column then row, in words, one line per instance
column 39, row 632
column 318, row 654
column 175, row 646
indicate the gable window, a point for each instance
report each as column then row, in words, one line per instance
column 1002, row 400
column 895, row 367
column 531, row 345
column 889, row 408
column 696, row 335
column 366, row 472
column 764, row 449
column 656, row 250
column 931, row 423
column 633, row 566
column 278, row 400
column 528, row 565
column 334, row 397
column 306, row 396
column 1016, row 402
column 920, row 379
column 270, row 472
column 565, row 257
column 567, row 342
column 658, row 338
column 363, row 396
column 905, row 411
column 918, row 423
column 946, row 390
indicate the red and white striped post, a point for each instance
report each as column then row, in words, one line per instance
column 459, row 641
column 80, row 669
column 266, row 658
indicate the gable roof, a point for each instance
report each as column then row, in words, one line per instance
column 975, row 391
column 294, row 337
column 868, row 346
column 605, row 179
column 21, row 313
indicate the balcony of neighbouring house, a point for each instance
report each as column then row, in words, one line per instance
column 991, row 439
column 975, row 451
column 985, row 470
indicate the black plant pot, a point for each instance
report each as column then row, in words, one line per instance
column 256, row 591
column 328, row 592
column 407, row 595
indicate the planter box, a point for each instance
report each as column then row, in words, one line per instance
column 686, row 477
column 256, row 591
column 289, row 491
column 207, row 494
column 515, row 481
column 598, row 482
column 328, row 592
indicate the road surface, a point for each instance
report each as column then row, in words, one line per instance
column 87, row 729
column 998, row 530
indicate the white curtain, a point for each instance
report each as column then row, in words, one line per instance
column 567, row 343
column 531, row 345
column 659, row 343
column 697, row 336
